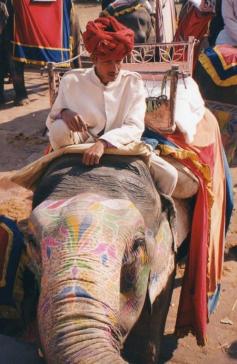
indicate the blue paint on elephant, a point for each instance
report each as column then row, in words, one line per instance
column 86, row 223
column 74, row 291
column 104, row 259
column 48, row 252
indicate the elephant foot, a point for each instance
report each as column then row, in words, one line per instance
column 21, row 101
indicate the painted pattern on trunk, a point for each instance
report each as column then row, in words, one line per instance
column 81, row 238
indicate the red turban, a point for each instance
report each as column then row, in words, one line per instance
column 108, row 39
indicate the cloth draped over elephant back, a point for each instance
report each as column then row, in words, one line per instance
column 108, row 39
column 27, row 176
column 220, row 63
column 41, row 31
column 201, row 286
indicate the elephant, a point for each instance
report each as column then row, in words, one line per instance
column 139, row 20
column 104, row 251
column 8, row 65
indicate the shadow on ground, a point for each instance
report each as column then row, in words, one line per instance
column 22, row 140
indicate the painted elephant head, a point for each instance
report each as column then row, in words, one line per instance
column 103, row 243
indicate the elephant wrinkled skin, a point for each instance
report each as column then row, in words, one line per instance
column 104, row 250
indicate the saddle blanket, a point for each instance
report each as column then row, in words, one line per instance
column 211, row 216
column 220, row 63
column 41, row 31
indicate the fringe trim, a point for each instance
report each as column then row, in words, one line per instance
column 40, row 63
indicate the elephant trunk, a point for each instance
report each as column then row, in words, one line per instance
column 76, row 326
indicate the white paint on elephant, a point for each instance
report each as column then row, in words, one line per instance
column 117, row 204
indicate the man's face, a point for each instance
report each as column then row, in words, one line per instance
column 107, row 71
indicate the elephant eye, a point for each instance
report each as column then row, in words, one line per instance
column 139, row 242
column 135, row 250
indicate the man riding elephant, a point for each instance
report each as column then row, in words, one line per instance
column 98, row 247
column 104, row 104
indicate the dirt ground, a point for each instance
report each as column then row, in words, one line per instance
column 22, row 141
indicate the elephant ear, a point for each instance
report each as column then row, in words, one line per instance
column 164, row 248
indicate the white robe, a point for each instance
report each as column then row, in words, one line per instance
column 229, row 12
column 117, row 110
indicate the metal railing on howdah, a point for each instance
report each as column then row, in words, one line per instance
column 154, row 59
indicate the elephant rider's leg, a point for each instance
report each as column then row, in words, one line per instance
column 164, row 174
column 18, row 79
column 60, row 135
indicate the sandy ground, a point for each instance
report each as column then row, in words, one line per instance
column 21, row 130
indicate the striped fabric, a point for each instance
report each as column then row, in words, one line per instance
column 211, row 215
column 220, row 63
column 41, row 31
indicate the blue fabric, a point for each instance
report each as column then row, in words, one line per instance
column 151, row 137
column 224, row 74
column 213, row 300
column 41, row 54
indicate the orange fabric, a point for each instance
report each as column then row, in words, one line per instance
column 108, row 39
column 206, row 249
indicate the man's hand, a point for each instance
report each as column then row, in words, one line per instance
column 73, row 121
column 94, row 153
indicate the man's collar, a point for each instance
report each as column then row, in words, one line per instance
column 98, row 82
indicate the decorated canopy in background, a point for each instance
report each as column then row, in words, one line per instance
column 41, row 31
